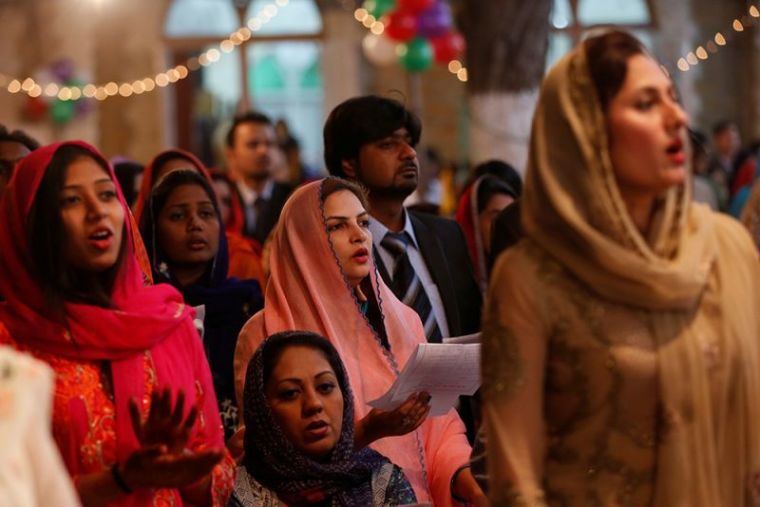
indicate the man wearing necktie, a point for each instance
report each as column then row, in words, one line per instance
column 249, row 155
column 421, row 257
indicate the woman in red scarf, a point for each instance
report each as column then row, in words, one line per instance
column 76, row 299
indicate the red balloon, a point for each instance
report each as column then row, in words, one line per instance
column 447, row 47
column 414, row 5
column 35, row 108
column 400, row 25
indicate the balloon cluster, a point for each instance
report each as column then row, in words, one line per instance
column 416, row 33
column 55, row 109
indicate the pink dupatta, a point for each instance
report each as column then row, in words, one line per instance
column 307, row 291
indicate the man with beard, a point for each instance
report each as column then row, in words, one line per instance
column 423, row 258
column 250, row 154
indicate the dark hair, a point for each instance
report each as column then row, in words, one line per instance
column 722, row 126
column 258, row 373
column 126, row 172
column 503, row 171
column 433, row 156
column 607, row 55
column 698, row 142
column 290, row 143
column 333, row 184
column 18, row 136
column 278, row 343
column 61, row 282
column 160, row 193
column 744, row 154
column 166, row 156
column 490, row 186
column 247, row 117
column 158, row 198
column 363, row 120
column 217, row 175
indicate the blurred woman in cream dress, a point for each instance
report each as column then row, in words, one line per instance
column 620, row 345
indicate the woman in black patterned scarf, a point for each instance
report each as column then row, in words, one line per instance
column 299, row 440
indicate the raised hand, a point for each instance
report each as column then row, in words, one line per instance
column 163, row 460
column 164, row 425
column 404, row 419
column 153, row 467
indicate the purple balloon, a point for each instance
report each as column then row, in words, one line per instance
column 435, row 20
column 62, row 69
column 82, row 106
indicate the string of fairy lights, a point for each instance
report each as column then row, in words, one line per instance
column 169, row 76
column 377, row 27
column 147, row 84
column 713, row 45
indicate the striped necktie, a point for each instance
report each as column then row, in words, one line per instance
column 407, row 286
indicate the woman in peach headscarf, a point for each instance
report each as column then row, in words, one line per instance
column 244, row 253
column 323, row 280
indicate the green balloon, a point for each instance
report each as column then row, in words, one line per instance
column 62, row 111
column 416, row 55
column 379, row 7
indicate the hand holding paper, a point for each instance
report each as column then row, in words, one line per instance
column 445, row 371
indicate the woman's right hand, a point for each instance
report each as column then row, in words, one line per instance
column 166, row 423
column 404, row 419
column 163, row 460
column 155, row 467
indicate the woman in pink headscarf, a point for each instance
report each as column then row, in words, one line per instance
column 323, row 280
column 75, row 299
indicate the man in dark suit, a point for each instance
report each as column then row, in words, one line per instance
column 423, row 258
column 249, row 154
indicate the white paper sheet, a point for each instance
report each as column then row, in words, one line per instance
column 466, row 338
column 445, row 371
column 198, row 322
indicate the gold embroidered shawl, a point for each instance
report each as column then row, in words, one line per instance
column 709, row 448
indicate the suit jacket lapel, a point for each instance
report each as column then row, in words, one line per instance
column 432, row 253
column 381, row 267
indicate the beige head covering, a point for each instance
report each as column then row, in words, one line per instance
column 573, row 208
column 696, row 273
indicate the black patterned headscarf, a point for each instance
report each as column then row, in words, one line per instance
column 344, row 477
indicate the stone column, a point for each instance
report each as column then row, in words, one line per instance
column 341, row 57
column 130, row 46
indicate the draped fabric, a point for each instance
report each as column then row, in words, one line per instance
column 32, row 472
column 152, row 319
column 751, row 214
column 308, row 291
column 575, row 209
column 243, row 254
column 149, row 176
column 609, row 310
column 228, row 302
column 467, row 218
column 345, row 478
